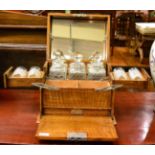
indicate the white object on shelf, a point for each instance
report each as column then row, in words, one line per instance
column 135, row 74
column 120, row 73
column 34, row 72
column 20, row 72
column 152, row 61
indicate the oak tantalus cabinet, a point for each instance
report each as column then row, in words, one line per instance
column 77, row 109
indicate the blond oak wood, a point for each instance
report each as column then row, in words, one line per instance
column 76, row 107
column 63, row 83
column 89, row 84
column 77, row 94
column 57, row 127
column 77, row 98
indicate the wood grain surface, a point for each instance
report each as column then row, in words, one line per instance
column 96, row 128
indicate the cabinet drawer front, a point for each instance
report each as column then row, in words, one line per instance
column 77, row 98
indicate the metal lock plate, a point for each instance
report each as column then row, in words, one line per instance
column 76, row 112
column 76, row 136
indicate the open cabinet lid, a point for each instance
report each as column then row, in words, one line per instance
column 76, row 128
column 78, row 33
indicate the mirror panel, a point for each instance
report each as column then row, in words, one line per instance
column 82, row 36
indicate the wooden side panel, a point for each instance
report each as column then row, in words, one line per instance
column 140, row 85
column 87, row 84
column 23, row 82
column 58, row 127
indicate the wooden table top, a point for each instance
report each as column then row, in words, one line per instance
column 19, row 110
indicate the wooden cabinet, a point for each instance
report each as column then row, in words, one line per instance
column 77, row 111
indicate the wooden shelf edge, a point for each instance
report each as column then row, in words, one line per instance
column 23, row 26
column 23, row 47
